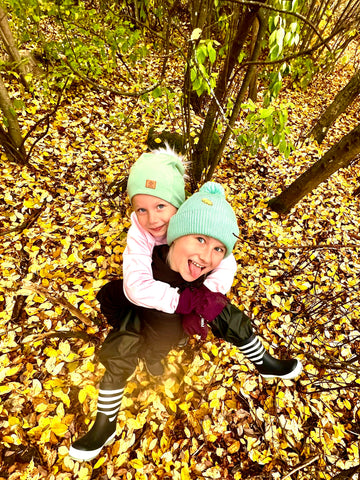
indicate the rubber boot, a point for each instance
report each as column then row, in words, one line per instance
column 103, row 430
column 268, row 366
column 101, row 434
column 155, row 369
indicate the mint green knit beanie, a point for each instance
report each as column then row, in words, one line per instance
column 159, row 173
column 206, row 213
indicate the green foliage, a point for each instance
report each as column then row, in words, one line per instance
column 302, row 71
column 266, row 125
column 284, row 33
column 93, row 42
column 203, row 79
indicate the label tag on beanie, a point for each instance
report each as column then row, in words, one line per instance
column 150, row 184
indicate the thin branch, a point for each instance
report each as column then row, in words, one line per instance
column 58, row 300
column 347, row 474
column 301, row 247
column 109, row 89
column 45, row 118
column 302, row 53
column 26, row 223
column 61, row 334
column 279, row 10
column 301, row 466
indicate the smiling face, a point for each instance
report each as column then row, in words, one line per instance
column 195, row 255
column 153, row 214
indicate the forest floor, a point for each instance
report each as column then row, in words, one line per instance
column 211, row 416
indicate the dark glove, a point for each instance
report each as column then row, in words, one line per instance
column 193, row 324
column 202, row 301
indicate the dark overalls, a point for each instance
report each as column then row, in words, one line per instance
column 147, row 333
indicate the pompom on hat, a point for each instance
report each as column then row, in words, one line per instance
column 159, row 173
column 206, row 213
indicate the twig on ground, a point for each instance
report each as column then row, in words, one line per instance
column 301, row 466
column 59, row 300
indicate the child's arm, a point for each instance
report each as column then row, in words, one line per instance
column 139, row 284
column 221, row 279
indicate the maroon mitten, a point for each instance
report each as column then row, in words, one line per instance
column 189, row 299
column 202, row 301
column 193, row 324
column 211, row 304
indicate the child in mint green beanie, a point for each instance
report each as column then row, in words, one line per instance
column 149, row 333
column 160, row 174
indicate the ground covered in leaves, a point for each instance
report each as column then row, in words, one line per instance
column 64, row 224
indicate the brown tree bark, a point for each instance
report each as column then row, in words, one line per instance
column 339, row 156
column 201, row 154
column 253, row 79
column 215, row 158
column 10, row 46
column 340, row 103
column 12, row 140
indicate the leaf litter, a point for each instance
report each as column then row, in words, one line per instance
column 211, row 416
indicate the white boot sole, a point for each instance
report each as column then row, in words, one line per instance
column 87, row 455
column 289, row 376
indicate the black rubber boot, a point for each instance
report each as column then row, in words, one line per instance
column 101, row 434
column 268, row 366
column 183, row 342
column 274, row 368
column 155, row 369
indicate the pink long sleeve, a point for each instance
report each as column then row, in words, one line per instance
column 139, row 285
column 221, row 279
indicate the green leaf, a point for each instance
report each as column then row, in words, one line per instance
column 266, row 112
column 201, row 53
column 274, row 52
column 212, row 53
column 157, row 92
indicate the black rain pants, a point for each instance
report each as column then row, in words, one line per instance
column 150, row 334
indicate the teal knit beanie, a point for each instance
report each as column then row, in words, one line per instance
column 159, row 173
column 206, row 213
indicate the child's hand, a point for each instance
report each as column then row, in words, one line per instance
column 202, row 301
column 193, row 324
column 212, row 304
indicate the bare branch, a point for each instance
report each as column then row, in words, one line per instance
column 30, row 219
column 58, row 300
column 301, row 466
column 279, row 10
column 109, row 89
column 45, row 118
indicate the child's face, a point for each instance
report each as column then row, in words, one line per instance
column 195, row 255
column 153, row 213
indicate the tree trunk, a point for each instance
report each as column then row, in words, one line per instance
column 200, row 16
column 201, row 154
column 10, row 46
column 339, row 156
column 12, row 140
column 253, row 79
column 215, row 158
column 340, row 103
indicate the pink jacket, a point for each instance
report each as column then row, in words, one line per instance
column 139, row 285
